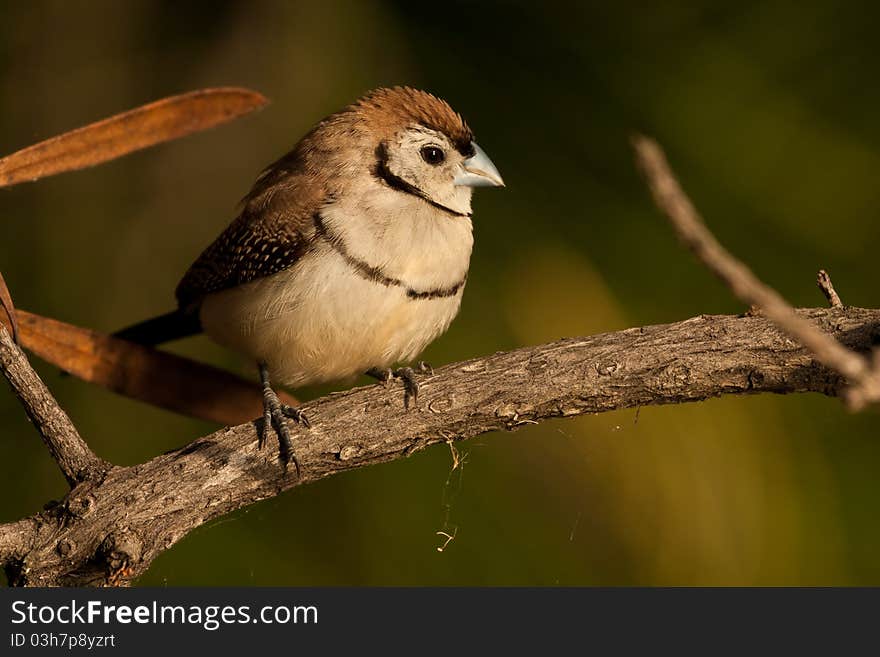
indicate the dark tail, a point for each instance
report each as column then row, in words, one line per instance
column 164, row 328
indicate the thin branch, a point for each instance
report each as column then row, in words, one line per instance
column 8, row 310
column 690, row 228
column 69, row 450
column 823, row 280
column 109, row 531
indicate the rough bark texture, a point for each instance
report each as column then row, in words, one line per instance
column 108, row 531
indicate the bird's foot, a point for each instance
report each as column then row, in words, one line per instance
column 275, row 415
column 407, row 376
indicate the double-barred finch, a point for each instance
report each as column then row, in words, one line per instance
column 350, row 254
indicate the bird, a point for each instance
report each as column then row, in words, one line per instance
column 349, row 255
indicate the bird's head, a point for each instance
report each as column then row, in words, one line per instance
column 417, row 144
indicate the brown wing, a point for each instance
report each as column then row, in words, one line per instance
column 273, row 231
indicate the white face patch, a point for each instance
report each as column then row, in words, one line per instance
column 424, row 162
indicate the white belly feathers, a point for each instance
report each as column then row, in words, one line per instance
column 323, row 320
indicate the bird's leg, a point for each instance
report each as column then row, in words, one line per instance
column 407, row 375
column 275, row 415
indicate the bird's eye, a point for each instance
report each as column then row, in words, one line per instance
column 432, row 155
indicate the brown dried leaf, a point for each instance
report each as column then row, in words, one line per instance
column 145, row 126
column 156, row 377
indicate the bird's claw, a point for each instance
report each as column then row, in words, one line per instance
column 407, row 375
column 296, row 414
column 410, row 386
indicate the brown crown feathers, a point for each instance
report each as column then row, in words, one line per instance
column 380, row 114
column 393, row 107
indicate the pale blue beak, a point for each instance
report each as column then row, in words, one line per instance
column 478, row 171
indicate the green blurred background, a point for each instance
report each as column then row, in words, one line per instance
column 768, row 111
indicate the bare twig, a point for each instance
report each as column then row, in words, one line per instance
column 69, row 450
column 823, row 280
column 109, row 531
column 690, row 228
column 8, row 309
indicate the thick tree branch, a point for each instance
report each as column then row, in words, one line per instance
column 16, row 538
column 69, row 450
column 109, row 531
